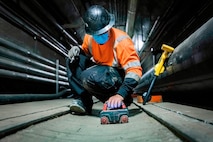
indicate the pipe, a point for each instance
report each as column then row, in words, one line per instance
column 12, row 55
column 156, row 39
column 23, row 51
column 20, row 98
column 155, row 34
column 131, row 17
column 13, row 65
column 26, row 52
column 51, row 18
column 42, row 70
column 23, row 76
column 188, row 67
column 57, row 76
column 35, row 31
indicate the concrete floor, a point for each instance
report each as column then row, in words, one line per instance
column 67, row 127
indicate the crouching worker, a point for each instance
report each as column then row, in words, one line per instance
column 106, row 66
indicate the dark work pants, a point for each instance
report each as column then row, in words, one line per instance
column 74, row 71
column 101, row 81
column 87, row 80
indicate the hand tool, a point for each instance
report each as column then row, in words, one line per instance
column 112, row 116
column 158, row 69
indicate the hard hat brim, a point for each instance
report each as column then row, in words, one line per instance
column 103, row 30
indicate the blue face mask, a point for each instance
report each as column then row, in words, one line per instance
column 101, row 39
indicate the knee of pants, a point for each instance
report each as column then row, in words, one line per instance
column 101, row 78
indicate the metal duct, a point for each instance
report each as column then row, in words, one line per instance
column 131, row 17
column 189, row 66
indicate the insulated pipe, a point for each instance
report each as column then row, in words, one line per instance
column 188, row 66
column 19, row 98
column 131, row 17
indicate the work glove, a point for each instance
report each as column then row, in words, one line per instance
column 74, row 51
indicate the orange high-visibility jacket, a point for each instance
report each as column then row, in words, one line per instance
column 118, row 51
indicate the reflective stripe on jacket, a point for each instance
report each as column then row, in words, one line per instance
column 118, row 51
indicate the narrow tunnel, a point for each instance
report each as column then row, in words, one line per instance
column 36, row 35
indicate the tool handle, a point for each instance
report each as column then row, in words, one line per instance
column 159, row 68
column 148, row 94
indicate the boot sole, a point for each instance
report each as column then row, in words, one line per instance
column 76, row 109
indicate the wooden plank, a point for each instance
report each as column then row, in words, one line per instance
column 74, row 128
column 194, row 112
column 19, row 109
column 18, row 116
column 186, row 126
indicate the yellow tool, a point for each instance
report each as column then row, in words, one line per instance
column 159, row 68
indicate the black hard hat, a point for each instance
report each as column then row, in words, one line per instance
column 98, row 20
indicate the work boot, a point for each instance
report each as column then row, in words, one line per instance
column 87, row 100
column 77, row 107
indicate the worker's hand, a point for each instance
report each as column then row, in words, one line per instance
column 74, row 51
column 115, row 101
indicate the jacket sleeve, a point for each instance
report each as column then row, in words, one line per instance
column 86, row 45
column 127, row 87
column 130, row 62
